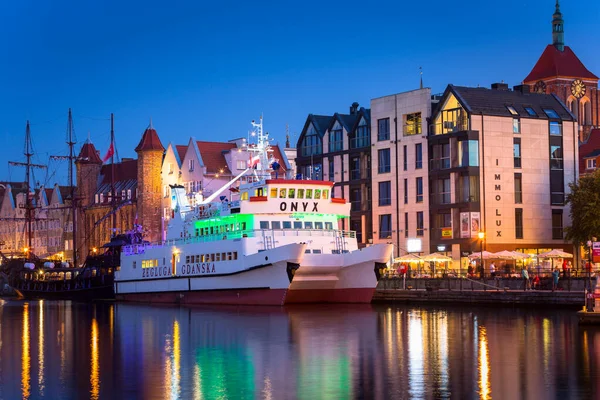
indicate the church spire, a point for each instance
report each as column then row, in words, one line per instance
column 558, row 39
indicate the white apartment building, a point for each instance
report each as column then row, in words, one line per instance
column 400, row 181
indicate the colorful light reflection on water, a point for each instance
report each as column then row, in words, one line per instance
column 107, row 351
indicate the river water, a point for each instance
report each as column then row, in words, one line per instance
column 64, row 350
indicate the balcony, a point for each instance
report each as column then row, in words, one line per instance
column 449, row 127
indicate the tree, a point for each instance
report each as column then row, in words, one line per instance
column 584, row 200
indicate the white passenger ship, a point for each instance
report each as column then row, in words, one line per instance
column 279, row 242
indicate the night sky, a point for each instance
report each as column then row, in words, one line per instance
column 206, row 69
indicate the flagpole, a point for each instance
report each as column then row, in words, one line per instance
column 112, row 174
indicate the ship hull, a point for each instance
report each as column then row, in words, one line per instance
column 86, row 294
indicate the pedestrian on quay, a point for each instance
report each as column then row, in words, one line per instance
column 525, row 275
column 492, row 270
column 555, row 276
column 536, row 282
column 564, row 268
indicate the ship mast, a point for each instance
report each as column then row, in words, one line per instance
column 71, row 157
column 28, row 166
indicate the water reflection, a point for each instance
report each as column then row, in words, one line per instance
column 108, row 351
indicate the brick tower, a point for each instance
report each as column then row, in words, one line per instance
column 150, row 156
column 559, row 71
column 88, row 166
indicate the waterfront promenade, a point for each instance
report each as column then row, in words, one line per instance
column 570, row 292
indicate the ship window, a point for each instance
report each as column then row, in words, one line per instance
column 235, row 255
column 197, row 259
column 297, row 224
column 264, row 224
column 197, row 232
column 273, row 193
column 300, row 193
column 291, row 193
column 223, row 256
column 325, row 194
column 212, row 257
column 243, row 226
column 282, row 193
column 328, row 225
column 229, row 256
column 187, row 259
column 244, row 195
column 317, row 194
column 133, row 264
column 318, row 225
column 287, row 225
column 308, row 225
column 309, row 193
column 316, row 251
column 307, row 251
column 276, row 225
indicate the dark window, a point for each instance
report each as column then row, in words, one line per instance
column 331, row 170
column 311, row 144
column 383, row 161
column 355, row 200
column 440, row 156
column 355, row 168
column 443, row 190
column 519, row 223
column 362, row 137
column 531, row 112
column 468, row 189
column 556, row 157
column 557, row 224
column 418, row 156
column 420, row 224
column 419, row 190
column 383, row 129
column 385, row 193
column 406, row 191
column 557, row 187
column 385, row 226
column 517, row 152
column 405, row 151
column 336, row 140
column 405, row 224
column 518, row 188
column 551, row 113
column 555, row 128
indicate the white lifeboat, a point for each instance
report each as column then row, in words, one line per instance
column 29, row 265
column 48, row 264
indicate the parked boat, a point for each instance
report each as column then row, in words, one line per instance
column 277, row 242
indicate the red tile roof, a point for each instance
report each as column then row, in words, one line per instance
column 89, row 154
column 180, row 149
column 586, row 148
column 212, row 155
column 150, row 141
column 125, row 170
column 553, row 63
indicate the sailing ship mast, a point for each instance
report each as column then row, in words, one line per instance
column 71, row 158
column 28, row 166
column 113, row 202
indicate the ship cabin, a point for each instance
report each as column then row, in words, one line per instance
column 271, row 213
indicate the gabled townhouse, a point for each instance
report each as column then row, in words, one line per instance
column 589, row 153
column 400, row 171
column 500, row 164
column 338, row 148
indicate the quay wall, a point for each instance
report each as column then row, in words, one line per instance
column 502, row 291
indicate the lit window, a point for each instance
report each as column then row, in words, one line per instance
column 516, row 125
column 512, row 110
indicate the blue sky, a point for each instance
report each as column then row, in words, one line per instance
column 207, row 69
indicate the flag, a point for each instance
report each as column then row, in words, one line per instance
column 253, row 162
column 109, row 153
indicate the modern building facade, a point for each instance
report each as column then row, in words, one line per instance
column 500, row 164
column 400, row 178
column 559, row 71
column 338, row 148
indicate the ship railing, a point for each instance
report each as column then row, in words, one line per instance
column 251, row 233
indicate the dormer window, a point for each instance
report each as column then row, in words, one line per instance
column 531, row 111
column 512, row 110
column 128, row 194
column 101, row 197
column 551, row 113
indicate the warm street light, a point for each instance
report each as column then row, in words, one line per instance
column 481, row 235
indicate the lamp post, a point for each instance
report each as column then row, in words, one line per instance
column 481, row 236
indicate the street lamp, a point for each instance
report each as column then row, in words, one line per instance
column 481, row 236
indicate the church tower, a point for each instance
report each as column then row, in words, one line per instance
column 150, row 156
column 88, row 166
column 559, row 71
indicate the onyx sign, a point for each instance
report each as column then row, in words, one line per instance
column 304, row 206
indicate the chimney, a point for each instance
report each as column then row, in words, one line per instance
column 521, row 88
column 500, row 86
column 354, row 108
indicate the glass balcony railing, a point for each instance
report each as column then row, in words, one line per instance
column 449, row 127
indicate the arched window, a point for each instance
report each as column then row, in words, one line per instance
column 586, row 106
column 573, row 105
